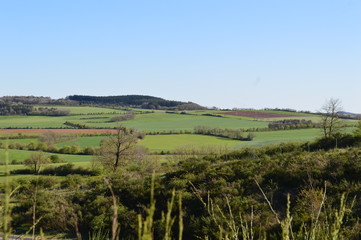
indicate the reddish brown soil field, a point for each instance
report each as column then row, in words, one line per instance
column 57, row 130
column 254, row 114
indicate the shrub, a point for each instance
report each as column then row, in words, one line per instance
column 57, row 159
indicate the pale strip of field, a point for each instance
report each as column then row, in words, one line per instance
column 157, row 143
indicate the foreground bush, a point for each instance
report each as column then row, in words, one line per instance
column 274, row 192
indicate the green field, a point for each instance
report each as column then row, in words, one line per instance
column 177, row 122
column 83, row 142
column 35, row 121
column 158, row 121
column 273, row 137
column 21, row 141
column 82, row 115
column 21, row 155
column 157, row 143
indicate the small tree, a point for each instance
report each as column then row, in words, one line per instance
column 115, row 150
column 330, row 117
column 36, row 161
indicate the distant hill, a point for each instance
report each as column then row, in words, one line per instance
column 33, row 100
column 350, row 115
column 137, row 101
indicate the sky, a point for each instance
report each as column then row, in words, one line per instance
column 228, row 54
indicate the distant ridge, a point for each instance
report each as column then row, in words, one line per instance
column 350, row 115
column 133, row 101
column 138, row 101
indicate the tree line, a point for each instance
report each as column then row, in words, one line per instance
column 33, row 100
column 292, row 124
column 138, row 101
column 236, row 134
column 124, row 117
column 8, row 109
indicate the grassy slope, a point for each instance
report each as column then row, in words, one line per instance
column 22, row 141
column 21, row 155
column 157, row 143
column 273, row 137
column 144, row 122
column 77, row 115
column 83, row 142
column 166, row 122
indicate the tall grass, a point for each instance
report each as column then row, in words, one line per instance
column 145, row 226
column 230, row 226
column 328, row 227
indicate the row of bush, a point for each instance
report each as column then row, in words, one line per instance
column 7, row 109
column 124, row 117
column 236, row 134
column 292, row 124
column 41, row 146
column 62, row 170
column 50, row 111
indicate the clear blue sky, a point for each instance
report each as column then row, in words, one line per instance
column 245, row 54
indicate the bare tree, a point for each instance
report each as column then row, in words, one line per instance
column 36, row 161
column 330, row 117
column 115, row 150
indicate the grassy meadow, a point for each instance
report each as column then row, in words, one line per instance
column 83, row 141
column 158, row 143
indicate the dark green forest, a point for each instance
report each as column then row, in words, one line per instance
column 140, row 101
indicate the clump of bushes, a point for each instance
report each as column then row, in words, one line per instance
column 124, row 117
column 45, row 111
column 62, row 170
column 292, row 124
column 236, row 134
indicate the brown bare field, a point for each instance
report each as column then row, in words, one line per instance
column 255, row 114
column 57, row 130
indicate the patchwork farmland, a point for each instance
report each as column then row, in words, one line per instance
column 180, row 146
